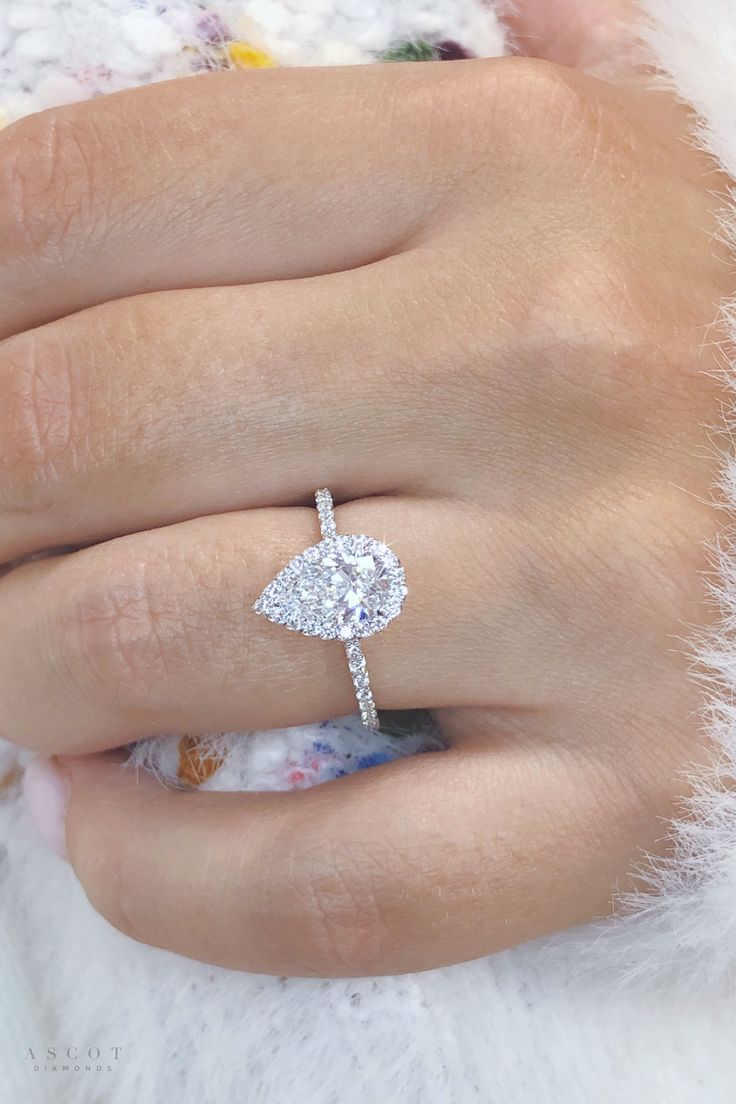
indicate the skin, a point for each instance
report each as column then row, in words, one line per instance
column 592, row 35
column 472, row 299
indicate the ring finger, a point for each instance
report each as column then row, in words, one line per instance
column 155, row 633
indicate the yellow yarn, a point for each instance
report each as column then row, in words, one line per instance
column 244, row 56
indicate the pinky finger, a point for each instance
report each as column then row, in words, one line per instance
column 424, row 862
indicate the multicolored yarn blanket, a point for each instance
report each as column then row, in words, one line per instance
column 53, row 52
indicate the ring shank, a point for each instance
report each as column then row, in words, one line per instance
column 361, row 683
column 326, row 513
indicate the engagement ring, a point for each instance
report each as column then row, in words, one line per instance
column 344, row 588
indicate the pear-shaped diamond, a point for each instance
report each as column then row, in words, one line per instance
column 343, row 588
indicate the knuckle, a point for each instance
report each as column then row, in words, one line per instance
column 583, row 323
column 41, row 423
column 543, row 106
column 329, row 917
column 523, row 123
column 47, row 180
column 588, row 297
column 120, row 635
column 546, row 84
column 664, row 552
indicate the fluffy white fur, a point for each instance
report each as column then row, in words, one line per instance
column 647, row 1019
column 682, row 933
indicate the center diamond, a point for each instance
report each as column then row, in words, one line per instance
column 344, row 587
column 352, row 588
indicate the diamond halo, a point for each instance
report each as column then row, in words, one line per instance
column 344, row 588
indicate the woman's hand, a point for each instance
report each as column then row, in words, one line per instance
column 473, row 300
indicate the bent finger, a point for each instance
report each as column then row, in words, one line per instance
column 410, row 866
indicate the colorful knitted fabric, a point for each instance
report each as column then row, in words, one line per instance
column 53, row 52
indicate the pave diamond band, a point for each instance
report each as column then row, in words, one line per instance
column 326, row 514
column 344, row 588
column 361, row 684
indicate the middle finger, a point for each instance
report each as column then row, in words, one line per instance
column 168, row 406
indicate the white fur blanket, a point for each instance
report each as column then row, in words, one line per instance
column 638, row 1009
